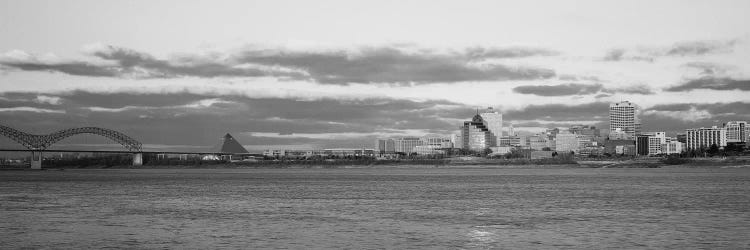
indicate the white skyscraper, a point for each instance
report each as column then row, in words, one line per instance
column 622, row 116
column 493, row 120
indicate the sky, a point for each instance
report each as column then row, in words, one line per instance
column 318, row 74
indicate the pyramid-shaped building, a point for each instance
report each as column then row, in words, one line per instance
column 230, row 145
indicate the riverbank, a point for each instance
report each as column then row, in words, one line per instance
column 456, row 162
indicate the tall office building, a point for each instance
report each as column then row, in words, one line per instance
column 737, row 131
column 622, row 116
column 475, row 135
column 493, row 120
column 705, row 137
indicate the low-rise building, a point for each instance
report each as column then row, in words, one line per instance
column 619, row 147
column 567, row 142
column 536, row 154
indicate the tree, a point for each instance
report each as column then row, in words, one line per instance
column 714, row 149
column 487, row 151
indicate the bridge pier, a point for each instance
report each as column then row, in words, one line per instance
column 36, row 159
column 138, row 159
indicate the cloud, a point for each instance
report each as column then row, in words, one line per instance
column 713, row 83
column 614, row 55
column 633, row 89
column 54, row 100
column 560, row 112
column 693, row 48
column 707, row 68
column 391, row 65
column 559, row 90
column 363, row 65
column 580, row 89
column 693, row 114
column 31, row 109
column 681, row 49
column 518, row 52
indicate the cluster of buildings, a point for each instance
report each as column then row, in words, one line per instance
column 485, row 133
column 323, row 153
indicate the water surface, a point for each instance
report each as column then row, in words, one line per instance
column 376, row 208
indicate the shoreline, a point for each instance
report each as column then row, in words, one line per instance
column 399, row 166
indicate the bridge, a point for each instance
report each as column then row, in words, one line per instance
column 37, row 144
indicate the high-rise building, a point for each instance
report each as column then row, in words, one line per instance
column 737, row 131
column 705, row 137
column 622, row 116
column 475, row 135
column 493, row 120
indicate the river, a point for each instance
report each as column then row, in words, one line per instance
column 436, row 208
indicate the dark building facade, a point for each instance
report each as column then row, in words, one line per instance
column 641, row 144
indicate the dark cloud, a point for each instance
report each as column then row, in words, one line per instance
column 688, row 48
column 632, row 89
column 122, row 99
column 389, row 65
column 707, row 68
column 614, row 55
column 559, row 112
column 579, row 89
column 711, row 83
column 365, row 65
column 559, row 90
column 485, row 53
column 71, row 68
column 700, row 48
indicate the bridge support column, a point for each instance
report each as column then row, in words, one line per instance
column 137, row 159
column 36, row 159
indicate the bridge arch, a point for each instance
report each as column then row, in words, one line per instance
column 23, row 138
column 42, row 142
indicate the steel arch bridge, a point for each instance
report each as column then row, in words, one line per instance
column 42, row 142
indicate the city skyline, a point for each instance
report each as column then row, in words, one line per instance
column 317, row 81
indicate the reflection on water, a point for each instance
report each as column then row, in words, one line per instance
column 376, row 208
